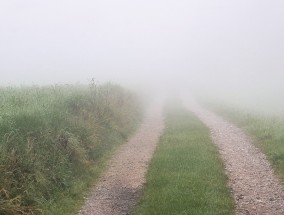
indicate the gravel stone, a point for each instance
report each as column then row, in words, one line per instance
column 118, row 190
column 255, row 187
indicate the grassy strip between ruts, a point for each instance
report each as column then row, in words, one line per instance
column 186, row 175
column 267, row 131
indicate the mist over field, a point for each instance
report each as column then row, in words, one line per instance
column 141, row 107
column 225, row 49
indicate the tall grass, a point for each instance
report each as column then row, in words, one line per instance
column 54, row 140
column 267, row 131
column 186, row 175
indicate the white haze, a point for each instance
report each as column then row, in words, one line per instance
column 232, row 48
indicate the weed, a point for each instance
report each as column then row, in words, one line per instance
column 54, row 140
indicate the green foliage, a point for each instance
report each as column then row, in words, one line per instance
column 53, row 141
column 186, row 175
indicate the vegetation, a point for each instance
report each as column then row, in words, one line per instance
column 54, row 142
column 266, row 130
column 186, row 175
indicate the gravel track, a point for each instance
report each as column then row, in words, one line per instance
column 255, row 188
column 117, row 191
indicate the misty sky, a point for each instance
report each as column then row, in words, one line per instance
column 228, row 43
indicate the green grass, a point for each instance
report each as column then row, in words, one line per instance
column 54, row 142
column 186, row 175
column 266, row 130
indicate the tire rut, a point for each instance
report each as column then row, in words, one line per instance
column 255, row 188
column 118, row 190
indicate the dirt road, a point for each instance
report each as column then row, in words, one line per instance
column 118, row 189
column 255, row 188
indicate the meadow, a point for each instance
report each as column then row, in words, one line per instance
column 186, row 175
column 55, row 140
column 265, row 128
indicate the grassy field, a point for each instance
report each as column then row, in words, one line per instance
column 267, row 131
column 54, row 142
column 186, row 175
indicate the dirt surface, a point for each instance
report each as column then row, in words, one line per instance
column 254, row 186
column 118, row 189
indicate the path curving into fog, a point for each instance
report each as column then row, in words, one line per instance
column 118, row 189
column 255, row 188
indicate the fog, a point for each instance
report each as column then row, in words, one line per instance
column 233, row 48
